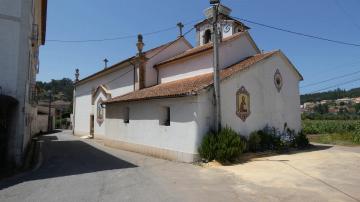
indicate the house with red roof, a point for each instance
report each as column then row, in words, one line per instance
column 161, row 102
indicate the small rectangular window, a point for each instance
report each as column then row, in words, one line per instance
column 165, row 119
column 126, row 115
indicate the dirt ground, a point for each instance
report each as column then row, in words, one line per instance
column 324, row 173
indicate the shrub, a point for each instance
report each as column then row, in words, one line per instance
column 224, row 147
column 229, row 146
column 271, row 138
column 301, row 141
column 207, row 149
column 254, row 142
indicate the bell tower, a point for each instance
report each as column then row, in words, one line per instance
column 228, row 26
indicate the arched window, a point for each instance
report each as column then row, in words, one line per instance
column 207, row 36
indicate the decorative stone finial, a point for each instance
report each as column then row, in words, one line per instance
column 181, row 26
column 140, row 44
column 77, row 74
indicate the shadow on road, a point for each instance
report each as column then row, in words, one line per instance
column 65, row 158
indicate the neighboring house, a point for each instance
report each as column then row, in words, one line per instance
column 43, row 118
column 323, row 102
column 22, row 32
column 344, row 101
column 356, row 100
column 160, row 102
column 309, row 106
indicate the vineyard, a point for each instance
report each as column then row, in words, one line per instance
column 333, row 131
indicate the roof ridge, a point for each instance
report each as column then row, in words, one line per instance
column 125, row 60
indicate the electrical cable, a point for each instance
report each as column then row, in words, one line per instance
column 298, row 33
column 333, row 86
column 117, row 38
column 331, row 79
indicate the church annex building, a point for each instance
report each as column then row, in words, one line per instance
column 160, row 101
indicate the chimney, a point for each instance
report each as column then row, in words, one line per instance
column 140, row 62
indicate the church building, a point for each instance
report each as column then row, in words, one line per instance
column 160, row 102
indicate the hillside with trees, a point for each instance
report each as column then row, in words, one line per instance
column 330, row 95
column 61, row 89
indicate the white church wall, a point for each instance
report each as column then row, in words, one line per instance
column 236, row 50
column 285, row 105
column 118, row 82
column 231, row 52
column 151, row 73
column 144, row 129
column 205, row 114
column 186, row 68
column 267, row 105
column 83, row 109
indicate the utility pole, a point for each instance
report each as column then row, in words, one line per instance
column 49, row 116
column 215, row 6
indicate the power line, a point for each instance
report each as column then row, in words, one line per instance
column 298, row 33
column 119, row 37
column 331, row 79
column 348, row 15
column 171, row 43
column 165, row 47
column 333, row 86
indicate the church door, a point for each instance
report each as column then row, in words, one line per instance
column 92, row 125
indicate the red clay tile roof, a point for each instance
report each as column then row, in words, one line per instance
column 188, row 86
column 196, row 50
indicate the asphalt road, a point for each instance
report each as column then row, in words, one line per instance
column 84, row 170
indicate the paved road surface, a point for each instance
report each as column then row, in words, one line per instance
column 83, row 170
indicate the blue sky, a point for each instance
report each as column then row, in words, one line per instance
column 97, row 19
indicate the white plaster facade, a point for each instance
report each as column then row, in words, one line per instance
column 22, row 31
column 230, row 52
column 134, row 118
column 268, row 106
column 119, row 80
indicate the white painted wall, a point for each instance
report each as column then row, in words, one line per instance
column 234, row 51
column 267, row 105
column 205, row 114
column 144, row 127
column 118, row 82
column 176, row 48
column 231, row 52
column 18, row 68
column 9, row 54
column 186, row 68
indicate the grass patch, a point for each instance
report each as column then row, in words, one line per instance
column 346, row 139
